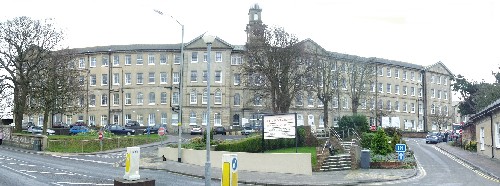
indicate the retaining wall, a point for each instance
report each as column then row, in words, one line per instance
column 292, row 163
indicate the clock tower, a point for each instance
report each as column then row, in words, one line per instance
column 254, row 26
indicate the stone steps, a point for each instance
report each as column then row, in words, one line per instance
column 337, row 163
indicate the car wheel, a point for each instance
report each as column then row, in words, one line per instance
column 128, row 133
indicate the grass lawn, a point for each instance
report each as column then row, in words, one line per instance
column 89, row 142
column 311, row 150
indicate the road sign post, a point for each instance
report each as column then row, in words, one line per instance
column 401, row 149
column 100, row 139
column 161, row 132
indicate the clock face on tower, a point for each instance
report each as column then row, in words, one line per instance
column 255, row 17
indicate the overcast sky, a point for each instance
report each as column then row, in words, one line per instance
column 463, row 34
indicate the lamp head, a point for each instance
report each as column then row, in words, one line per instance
column 209, row 39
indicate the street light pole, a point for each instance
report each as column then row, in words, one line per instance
column 208, row 40
column 109, row 86
column 179, row 124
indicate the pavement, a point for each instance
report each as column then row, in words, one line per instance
column 150, row 160
column 484, row 164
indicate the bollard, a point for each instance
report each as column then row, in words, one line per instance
column 132, row 163
column 229, row 170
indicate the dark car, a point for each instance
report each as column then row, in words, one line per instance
column 433, row 137
column 154, row 129
column 131, row 124
column 27, row 125
column 59, row 124
column 78, row 129
column 78, row 123
column 115, row 129
column 220, row 130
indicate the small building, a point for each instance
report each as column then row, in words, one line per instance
column 487, row 127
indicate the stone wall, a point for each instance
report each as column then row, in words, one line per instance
column 414, row 134
column 24, row 141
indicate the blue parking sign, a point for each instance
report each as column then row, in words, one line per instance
column 401, row 156
column 400, row 147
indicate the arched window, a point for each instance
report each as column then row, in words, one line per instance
column 236, row 119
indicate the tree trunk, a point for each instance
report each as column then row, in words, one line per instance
column 325, row 113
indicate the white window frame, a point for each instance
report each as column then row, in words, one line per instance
column 175, row 78
column 193, row 99
column 163, row 78
column 218, row 56
column 194, row 57
column 93, row 61
column 151, row 78
column 128, row 59
column 128, row 98
column 218, row 76
column 163, row 98
column 140, row 98
column 151, row 59
column 128, row 78
column 218, row 97
column 204, row 98
column 163, row 59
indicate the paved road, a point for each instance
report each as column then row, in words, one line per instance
column 28, row 168
column 440, row 168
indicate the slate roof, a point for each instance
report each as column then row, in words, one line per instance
column 133, row 47
column 485, row 112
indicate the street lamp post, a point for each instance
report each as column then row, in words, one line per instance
column 208, row 40
column 179, row 154
column 109, row 86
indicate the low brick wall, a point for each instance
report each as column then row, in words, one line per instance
column 24, row 141
column 292, row 163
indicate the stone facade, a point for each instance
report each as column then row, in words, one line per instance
column 145, row 79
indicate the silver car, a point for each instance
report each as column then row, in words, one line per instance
column 38, row 130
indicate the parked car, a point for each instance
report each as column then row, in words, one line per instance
column 154, row 129
column 60, row 124
column 196, row 130
column 132, row 124
column 78, row 123
column 247, row 131
column 27, row 125
column 220, row 130
column 115, row 129
column 38, row 130
column 78, row 129
column 433, row 137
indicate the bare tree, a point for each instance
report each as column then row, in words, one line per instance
column 59, row 88
column 326, row 78
column 360, row 75
column 440, row 119
column 276, row 67
column 24, row 44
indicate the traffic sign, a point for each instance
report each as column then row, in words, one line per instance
column 373, row 128
column 100, row 135
column 400, row 147
column 234, row 164
column 401, row 156
column 161, row 131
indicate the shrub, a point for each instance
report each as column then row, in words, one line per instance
column 380, row 143
column 358, row 122
column 366, row 139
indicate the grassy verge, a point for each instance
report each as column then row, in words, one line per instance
column 89, row 142
column 311, row 150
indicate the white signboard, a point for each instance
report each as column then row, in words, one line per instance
column 395, row 122
column 279, row 126
column 386, row 122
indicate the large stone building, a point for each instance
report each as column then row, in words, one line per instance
column 141, row 83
